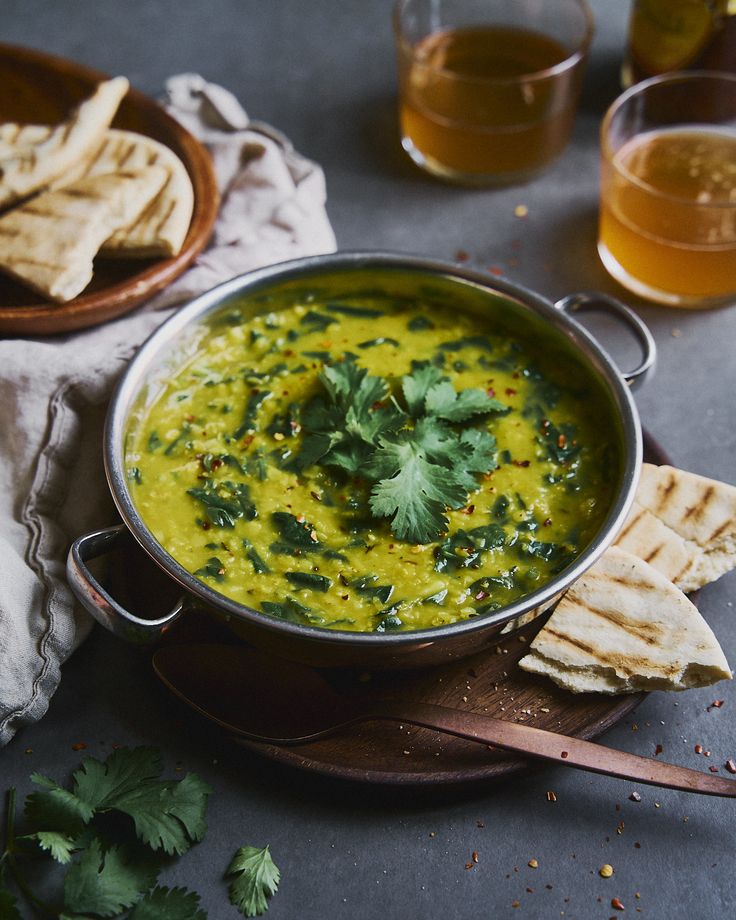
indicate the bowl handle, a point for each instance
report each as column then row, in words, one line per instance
column 96, row 600
column 575, row 303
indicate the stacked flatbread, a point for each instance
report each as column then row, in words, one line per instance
column 626, row 625
column 81, row 187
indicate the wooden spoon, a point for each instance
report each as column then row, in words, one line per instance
column 279, row 702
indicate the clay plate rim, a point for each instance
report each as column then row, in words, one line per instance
column 36, row 86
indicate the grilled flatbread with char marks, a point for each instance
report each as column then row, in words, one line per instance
column 50, row 241
column 160, row 230
column 682, row 524
column 624, row 627
column 161, row 227
column 35, row 166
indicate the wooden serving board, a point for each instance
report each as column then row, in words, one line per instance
column 39, row 88
column 487, row 683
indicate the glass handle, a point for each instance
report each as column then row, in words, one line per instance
column 603, row 303
column 97, row 601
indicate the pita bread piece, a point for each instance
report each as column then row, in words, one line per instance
column 16, row 139
column 624, row 627
column 50, row 241
column 682, row 524
column 161, row 227
column 35, row 166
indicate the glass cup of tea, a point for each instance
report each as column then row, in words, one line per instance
column 488, row 88
column 667, row 227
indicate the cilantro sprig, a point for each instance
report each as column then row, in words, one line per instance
column 111, row 832
column 416, row 447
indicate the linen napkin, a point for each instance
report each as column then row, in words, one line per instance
column 54, row 392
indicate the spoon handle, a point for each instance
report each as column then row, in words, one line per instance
column 561, row 749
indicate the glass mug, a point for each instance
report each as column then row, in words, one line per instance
column 667, row 227
column 488, row 88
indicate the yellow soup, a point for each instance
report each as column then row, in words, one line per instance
column 371, row 463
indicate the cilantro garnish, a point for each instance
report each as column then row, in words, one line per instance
column 416, row 448
column 109, row 867
column 255, row 878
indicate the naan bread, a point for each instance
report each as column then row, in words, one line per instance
column 682, row 524
column 50, row 241
column 624, row 627
column 161, row 228
column 35, row 166
column 17, row 140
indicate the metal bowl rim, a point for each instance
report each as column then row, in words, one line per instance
column 194, row 312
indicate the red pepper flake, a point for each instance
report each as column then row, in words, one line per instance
column 79, row 746
column 637, row 846
column 248, row 440
column 620, row 827
column 469, row 510
column 635, row 797
column 716, row 704
column 564, row 755
column 698, row 748
column 515, row 903
column 482, row 595
column 551, row 797
column 469, row 865
column 548, row 522
column 658, row 750
column 730, row 765
column 495, row 270
column 490, row 392
column 523, row 463
column 461, row 256
column 561, row 440
column 616, row 904
column 510, row 391
column 475, row 856
column 713, row 769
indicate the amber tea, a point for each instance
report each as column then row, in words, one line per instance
column 488, row 102
column 667, row 226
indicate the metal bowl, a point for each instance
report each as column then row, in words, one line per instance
column 531, row 314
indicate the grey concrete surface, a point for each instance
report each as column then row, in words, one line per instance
column 323, row 71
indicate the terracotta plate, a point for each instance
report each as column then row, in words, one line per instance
column 39, row 88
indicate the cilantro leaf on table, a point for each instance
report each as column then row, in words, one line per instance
column 106, row 882
column 59, row 846
column 101, row 783
column 168, row 904
column 168, row 815
column 255, row 878
column 57, row 809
